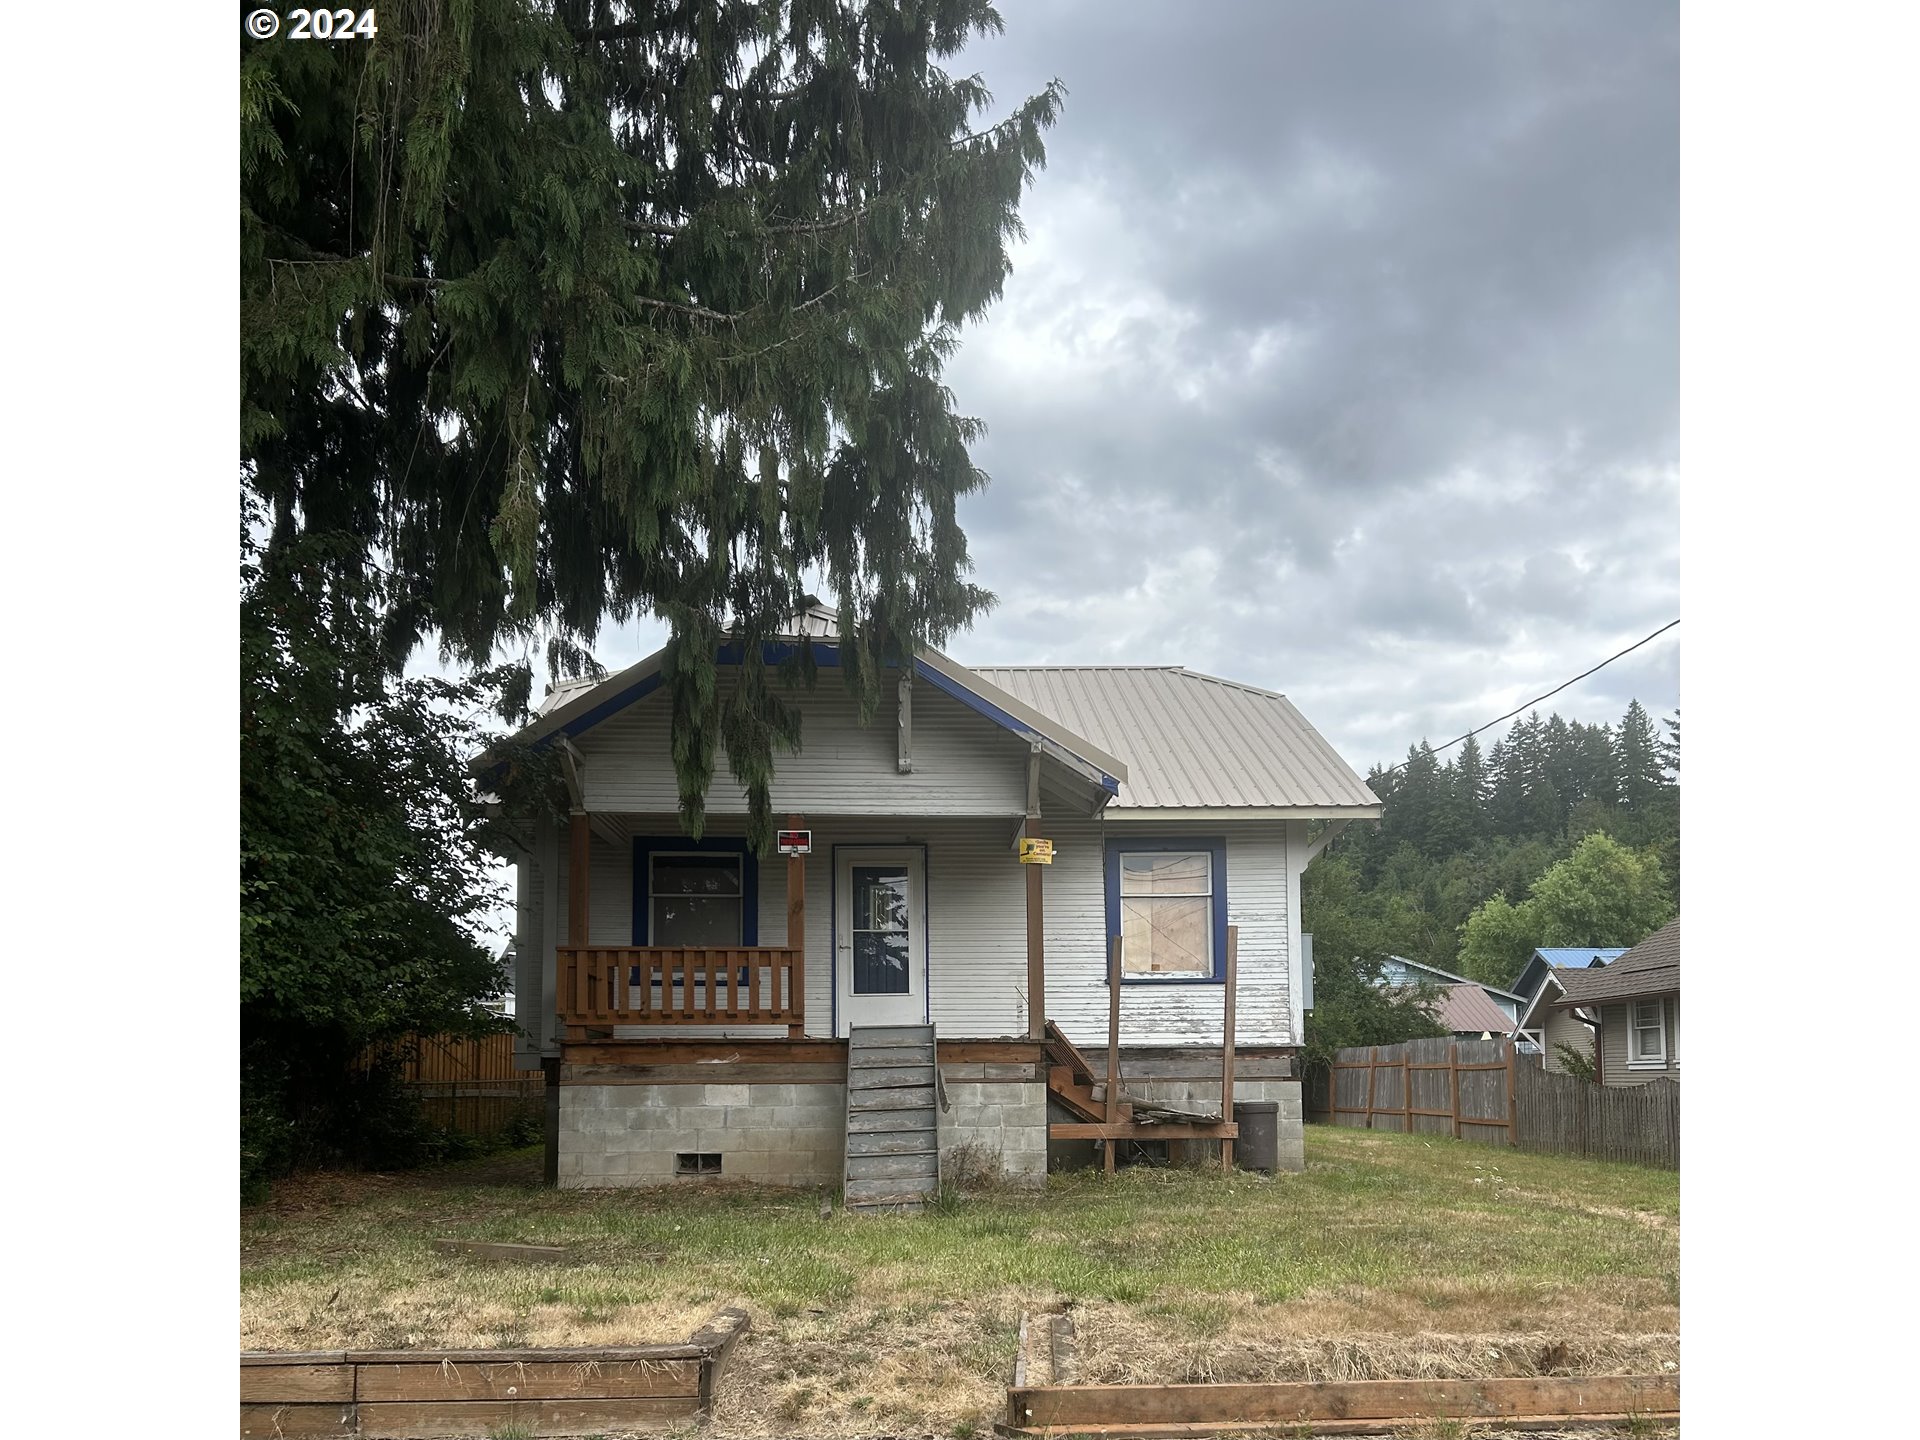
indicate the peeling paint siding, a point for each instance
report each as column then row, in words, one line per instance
column 976, row 922
column 963, row 764
column 976, row 931
column 1258, row 885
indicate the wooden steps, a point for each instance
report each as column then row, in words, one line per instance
column 893, row 1120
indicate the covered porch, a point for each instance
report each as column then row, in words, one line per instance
column 870, row 921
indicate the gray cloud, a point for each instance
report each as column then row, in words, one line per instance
column 1341, row 356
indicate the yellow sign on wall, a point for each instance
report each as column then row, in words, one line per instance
column 1036, row 852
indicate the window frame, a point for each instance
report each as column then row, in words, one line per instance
column 1215, row 848
column 1637, row 1058
column 645, row 848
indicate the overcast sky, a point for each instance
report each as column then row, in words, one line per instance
column 1340, row 358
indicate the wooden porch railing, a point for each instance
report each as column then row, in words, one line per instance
column 604, row 985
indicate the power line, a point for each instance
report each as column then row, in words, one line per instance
column 1538, row 698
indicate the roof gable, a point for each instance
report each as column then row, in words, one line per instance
column 574, row 707
column 1650, row 968
column 1448, row 977
column 1549, row 958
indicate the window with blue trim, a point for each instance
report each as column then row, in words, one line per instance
column 1167, row 901
column 694, row 893
column 695, row 900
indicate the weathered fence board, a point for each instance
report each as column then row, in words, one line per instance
column 1481, row 1090
column 466, row 1083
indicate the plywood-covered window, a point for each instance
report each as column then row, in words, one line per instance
column 1166, row 913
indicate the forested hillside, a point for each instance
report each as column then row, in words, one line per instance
column 1563, row 833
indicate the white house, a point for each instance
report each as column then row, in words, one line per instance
column 702, row 1009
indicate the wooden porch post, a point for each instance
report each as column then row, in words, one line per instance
column 1113, row 1045
column 1226, row 1037
column 797, row 934
column 579, row 867
column 579, row 887
column 1036, row 954
column 1036, row 911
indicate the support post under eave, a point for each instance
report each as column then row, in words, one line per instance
column 1113, row 1047
column 797, row 935
column 579, row 874
column 1036, row 911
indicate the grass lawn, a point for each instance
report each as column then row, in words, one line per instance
column 1391, row 1255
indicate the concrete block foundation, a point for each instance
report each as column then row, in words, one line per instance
column 632, row 1134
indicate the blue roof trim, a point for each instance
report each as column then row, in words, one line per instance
column 982, row 706
column 607, row 708
column 826, row 656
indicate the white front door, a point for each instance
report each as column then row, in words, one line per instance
column 880, row 910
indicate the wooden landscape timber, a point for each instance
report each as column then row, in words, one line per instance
column 1042, row 1401
column 1337, row 1407
column 427, row 1394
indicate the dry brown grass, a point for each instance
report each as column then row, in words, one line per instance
column 1390, row 1257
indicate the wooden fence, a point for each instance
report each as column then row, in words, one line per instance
column 469, row 1083
column 1565, row 1115
column 1481, row 1090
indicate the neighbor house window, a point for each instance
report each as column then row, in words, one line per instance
column 695, row 900
column 1166, row 913
column 1647, row 1033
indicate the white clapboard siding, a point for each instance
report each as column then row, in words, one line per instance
column 1173, row 1014
column 975, row 921
column 963, row 763
column 976, row 926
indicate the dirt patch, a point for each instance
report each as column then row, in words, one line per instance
column 1652, row 1219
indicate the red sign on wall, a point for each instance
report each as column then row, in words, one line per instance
column 794, row 842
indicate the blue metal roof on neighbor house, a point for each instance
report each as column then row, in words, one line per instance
column 1577, row 957
column 1561, row 957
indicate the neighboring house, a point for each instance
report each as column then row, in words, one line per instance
column 1469, row 1009
column 1545, row 1025
column 700, row 1008
column 1543, row 1029
column 1549, row 958
column 1637, row 1002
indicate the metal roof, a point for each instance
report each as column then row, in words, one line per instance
column 1468, row 1008
column 1650, row 968
column 1448, row 977
column 1192, row 741
column 1578, row 957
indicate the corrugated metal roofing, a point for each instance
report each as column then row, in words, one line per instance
column 1650, row 968
column 1468, row 1009
column 1578, row 957
column 1190, row 740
